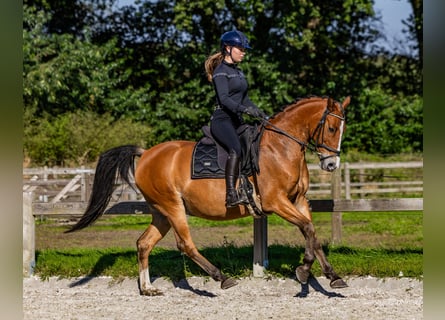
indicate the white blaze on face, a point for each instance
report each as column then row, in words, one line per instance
column 342, row 125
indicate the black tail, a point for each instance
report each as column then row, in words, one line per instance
column 113, row 163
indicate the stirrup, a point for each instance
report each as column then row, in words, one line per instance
column 232, row 199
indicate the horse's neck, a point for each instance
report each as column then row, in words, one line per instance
column 299, row 121
column 283, row 147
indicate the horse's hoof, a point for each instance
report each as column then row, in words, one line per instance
column 228, row 283
column 338, row 284
column 302, row 275
column 152, row 292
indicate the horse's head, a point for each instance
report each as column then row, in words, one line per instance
column 327, row 136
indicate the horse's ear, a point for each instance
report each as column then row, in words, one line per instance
column 346, row 102
column 331, row 104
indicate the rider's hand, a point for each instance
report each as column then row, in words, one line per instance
column 264, row 115
column 255, row 112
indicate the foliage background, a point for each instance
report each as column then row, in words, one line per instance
column 95, row 76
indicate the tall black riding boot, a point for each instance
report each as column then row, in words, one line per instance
column 232, row 172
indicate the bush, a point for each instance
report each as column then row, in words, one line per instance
column 78, row 138
column 380, row 123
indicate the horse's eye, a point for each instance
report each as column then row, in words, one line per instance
column 331, row 130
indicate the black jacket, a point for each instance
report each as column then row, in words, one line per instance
column 231, row 89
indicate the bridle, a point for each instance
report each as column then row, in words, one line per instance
column 319, row 132
column 313, row 144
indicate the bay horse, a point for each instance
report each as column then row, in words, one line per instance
column 163, row 176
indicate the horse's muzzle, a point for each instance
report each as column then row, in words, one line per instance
column 329, row 162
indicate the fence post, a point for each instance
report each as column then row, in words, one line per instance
column 347, row 178
column 83, row 185
column 361, row 177
column 260, row 254
column 28, row 235
column 336, row 217
column 45, row 173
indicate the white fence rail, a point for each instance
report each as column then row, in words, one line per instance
column 358, row 180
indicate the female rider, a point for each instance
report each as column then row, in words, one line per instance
column 232, row 101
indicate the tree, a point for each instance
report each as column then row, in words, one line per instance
column 317, row 46
column 415, row 27
column 145, row 62
column 64, row 74
column 72, row 16
column 385, row 124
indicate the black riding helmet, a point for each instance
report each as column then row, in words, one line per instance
column 234, row 39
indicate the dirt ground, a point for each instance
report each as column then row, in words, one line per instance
column 202, row 298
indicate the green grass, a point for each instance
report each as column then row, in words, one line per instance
column 394, row 223
column 233, row 261
column 377, row 244
column 377, row 221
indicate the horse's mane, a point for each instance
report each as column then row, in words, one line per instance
column 298, row 102
column 303, row 100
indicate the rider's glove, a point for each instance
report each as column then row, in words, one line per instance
column 255, row 112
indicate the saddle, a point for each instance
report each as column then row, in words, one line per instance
column 209, row 161
column 209, row 157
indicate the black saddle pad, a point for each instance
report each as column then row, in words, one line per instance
column 209, row 158
column 205, row 162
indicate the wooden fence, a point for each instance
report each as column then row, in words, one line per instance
column 45, row 192
column 358, row 180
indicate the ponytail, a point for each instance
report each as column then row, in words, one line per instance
column 211, row 63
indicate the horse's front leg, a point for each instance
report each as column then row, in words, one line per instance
column 336, row 281
column 314, row 250
column 303, row 272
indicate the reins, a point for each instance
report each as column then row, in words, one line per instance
column 311, row 145
column 278, row 130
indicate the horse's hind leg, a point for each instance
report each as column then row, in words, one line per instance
column 186, row 245
column 155, row 232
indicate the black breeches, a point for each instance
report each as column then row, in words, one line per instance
column 225, row 133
